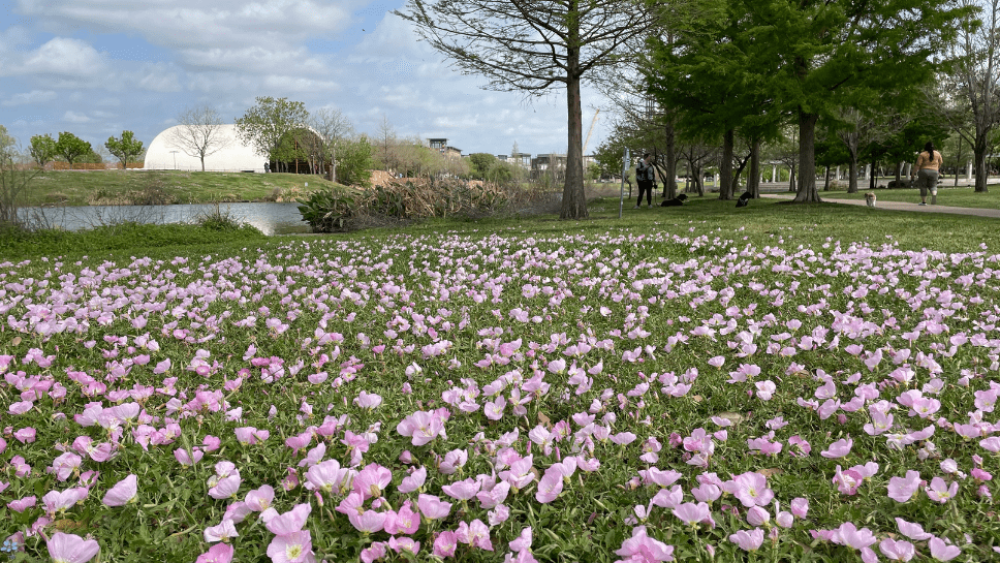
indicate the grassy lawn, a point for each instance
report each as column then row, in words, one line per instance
column 700, row 383
column 74, row 188
column 955, row 197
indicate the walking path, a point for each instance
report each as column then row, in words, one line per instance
column 904, row 206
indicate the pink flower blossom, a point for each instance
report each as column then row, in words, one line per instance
column 289, row 522
column 748, row 541
column 462, row 490
column 367, row 522
column 260, row 499
column 641, row 547
column 22, row 504
column 693, row 514
column 751, row 489
column 913, row 531
column 122, row 493
column 840, row 448
column 939, row 491
column 851, row 536
column 218, row 553
column 445, row 545
column 900, row 550
column 223, row 532
column 294, row 547
column 70, row 548
column 433, row 507
column 942, row 551
column 901, row 489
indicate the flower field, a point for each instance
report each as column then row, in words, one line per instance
column 688, row 394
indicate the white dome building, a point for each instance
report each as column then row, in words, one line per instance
column 164, row 153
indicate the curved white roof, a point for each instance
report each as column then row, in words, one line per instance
column 234, row 157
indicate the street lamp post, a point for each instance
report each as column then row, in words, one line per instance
column 175, row 158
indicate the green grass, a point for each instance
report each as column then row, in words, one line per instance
column 127, row 238
column 954, row 197
column 764, row 221
column 76, row 188
column 196, row 285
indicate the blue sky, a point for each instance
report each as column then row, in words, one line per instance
column 96, row 67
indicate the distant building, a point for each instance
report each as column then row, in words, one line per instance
column 441, row 145
column 522, row 159
column 235, row 156
column 545, row 162
column 549, row 164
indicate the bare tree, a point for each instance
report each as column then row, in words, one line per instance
column 860, row 125
column 386, row 139
column 199, row 133
column 532, row 46
column 334, row 129
column 976, row 77
column 17, row 171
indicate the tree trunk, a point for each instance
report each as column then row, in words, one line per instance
column 852, row 173
column 807, row 158
column 958, row 161
column 899, row 177
column 791, row 179
column 873, row 176
column 574, row 202
column 826, row 180
column 726, row 166
column 982, row 174
column 696, row 179
column 753, row 186
column 202, row 163
column 670, row 182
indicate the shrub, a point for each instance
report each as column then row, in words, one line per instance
column 219, row 220
column 327, row 211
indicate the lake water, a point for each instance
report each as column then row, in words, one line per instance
column 270, row 218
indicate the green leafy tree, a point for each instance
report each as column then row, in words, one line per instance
column 93, row 157
column 713, row 76
column 124, row 148
column 500, row 172
column 43, row 149
column 72, row 148
column 355, row 161
column 481, row 164
column 812, row 57
column 265, row 125
column 532, row 46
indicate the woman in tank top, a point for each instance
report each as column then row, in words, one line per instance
column 926, row 172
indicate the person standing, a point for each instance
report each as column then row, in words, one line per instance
column 267, row 167
column 644, row 176
column 926, row 172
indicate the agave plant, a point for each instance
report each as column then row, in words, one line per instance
column 326, row 211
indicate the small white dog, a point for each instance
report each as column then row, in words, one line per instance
column 870, row 199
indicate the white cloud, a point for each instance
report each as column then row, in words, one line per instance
column 254, row 59
column 32, row 97
column 227, row 52
column 200, row 28
column 74, row 117
column 157, row 77
column 64, row 56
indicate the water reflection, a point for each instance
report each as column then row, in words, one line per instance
column 270, row 218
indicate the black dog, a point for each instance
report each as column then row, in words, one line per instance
column 744, row 199
column 677, row 201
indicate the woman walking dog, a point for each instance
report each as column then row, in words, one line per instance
column 926, row 172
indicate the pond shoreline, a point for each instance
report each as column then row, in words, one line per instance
column 270, row 218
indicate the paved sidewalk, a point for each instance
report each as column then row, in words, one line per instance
column 903, row 206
